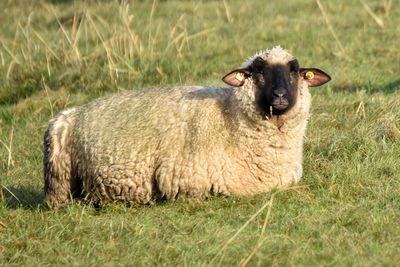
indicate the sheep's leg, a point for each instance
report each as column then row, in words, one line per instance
column 59, row 184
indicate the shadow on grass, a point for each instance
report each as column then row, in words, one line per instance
column 22, row 197
column 387, row 88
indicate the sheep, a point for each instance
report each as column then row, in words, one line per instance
column 185, row 142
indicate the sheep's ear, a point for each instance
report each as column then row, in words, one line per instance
column 314, row 77
column 236, row 77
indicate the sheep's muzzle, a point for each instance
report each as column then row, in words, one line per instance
column 280, row 103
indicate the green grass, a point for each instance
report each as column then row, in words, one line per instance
column 346, row 209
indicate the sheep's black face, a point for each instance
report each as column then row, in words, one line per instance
column 276, row 84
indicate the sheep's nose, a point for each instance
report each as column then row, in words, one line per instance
column 280, row 92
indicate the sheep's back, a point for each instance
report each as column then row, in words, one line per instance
column 130, row 120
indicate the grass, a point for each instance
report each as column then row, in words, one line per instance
column 57, row 54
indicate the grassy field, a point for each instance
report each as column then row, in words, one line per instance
column 346, row 210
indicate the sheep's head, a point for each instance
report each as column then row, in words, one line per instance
column 276, row 76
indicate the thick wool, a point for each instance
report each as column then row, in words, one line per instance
column 176, row 142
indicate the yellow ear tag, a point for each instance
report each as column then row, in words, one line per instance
column 239, row 76
column 309, row 75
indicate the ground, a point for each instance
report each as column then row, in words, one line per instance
column 345, row 211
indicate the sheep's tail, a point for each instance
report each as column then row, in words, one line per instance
column 58, row 181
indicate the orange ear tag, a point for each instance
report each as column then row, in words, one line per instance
column 309, row 75
column 239, row 76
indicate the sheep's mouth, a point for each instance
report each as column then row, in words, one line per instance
column 280, row 104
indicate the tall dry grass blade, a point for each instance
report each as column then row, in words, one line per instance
column 183, row 42
column 387, row 6
column 3, row 224
column 48, row 63
column 227, row 12
column 9, row 52
column 260, row 240
column 149, row 41
column 361, row 110
column 174, row 41
column 61, row 26
column 46, row 45
column 201, row 33
column 10, row 69
column 26, row 55
column 71, row 43
column 378, row 20
column 175, row 38
column 230, row 240
column 76, row 29
column 16, row 40
column 178, row 22
column 127, row 18
column 11, row 193
column 269, row 203
column 9, row 148
column 251, row 255
column 154, row 40
column 330, row 26
column 10, row 161
column 46, row 89
column 3, row 62
column 111, row 64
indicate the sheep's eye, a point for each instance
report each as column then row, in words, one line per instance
column 258, row 69
column 294, row 66
column 258, row 66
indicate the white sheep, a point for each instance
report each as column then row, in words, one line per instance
column 185, row 142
